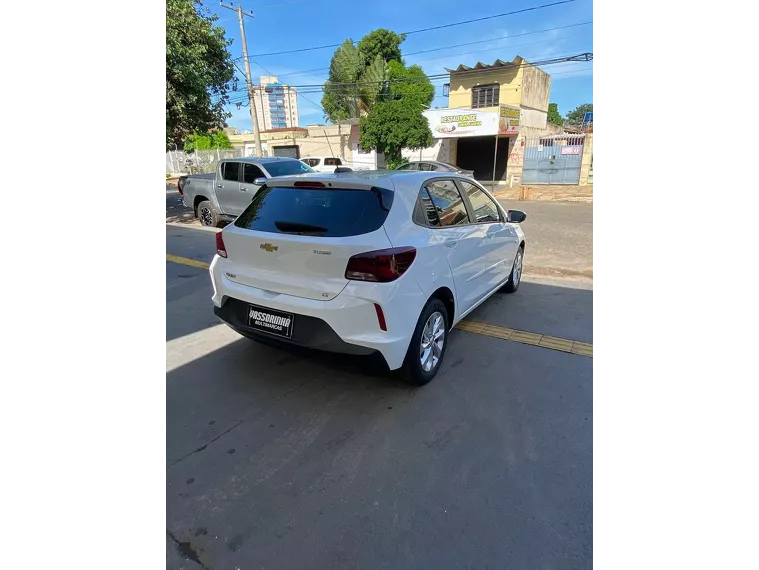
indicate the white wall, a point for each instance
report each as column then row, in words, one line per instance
column 364, row 161
column 250, row 149
column 439, row 151
column 534, row 118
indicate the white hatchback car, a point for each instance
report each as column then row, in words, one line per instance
column 366, row 262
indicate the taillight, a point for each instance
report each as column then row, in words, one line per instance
column 220, row 249
column 380, row 266
column 179, row 187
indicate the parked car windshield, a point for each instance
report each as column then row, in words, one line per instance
column 287, row 167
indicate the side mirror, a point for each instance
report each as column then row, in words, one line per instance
column 259, row 181
column 515, row 216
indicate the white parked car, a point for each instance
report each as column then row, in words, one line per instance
column 323, row 163
column 366, row 262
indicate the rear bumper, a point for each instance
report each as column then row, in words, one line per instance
column 346, row 324
column 308, row 332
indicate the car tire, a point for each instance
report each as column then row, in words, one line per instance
column 515, row 278
column 208, row 215
column 417, row 360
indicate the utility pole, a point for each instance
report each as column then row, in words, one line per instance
column 248, row 80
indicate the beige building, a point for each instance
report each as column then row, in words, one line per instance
column 276, row 104
column 340, row 140
column 496, row 125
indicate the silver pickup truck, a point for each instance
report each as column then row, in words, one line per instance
column 223, row 196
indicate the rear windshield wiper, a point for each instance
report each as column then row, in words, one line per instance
column 298, row 228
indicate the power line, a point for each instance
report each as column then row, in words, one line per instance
column 304, row 71
column 501, row 38
column 355, row 86
column 487, row 17
column 542, row 6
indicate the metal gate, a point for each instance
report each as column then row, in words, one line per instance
column 292, row 151
column 553, row 159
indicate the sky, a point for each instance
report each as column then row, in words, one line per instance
column 280, row 25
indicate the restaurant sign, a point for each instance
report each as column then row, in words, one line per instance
column 455, row 123
column 509, row 120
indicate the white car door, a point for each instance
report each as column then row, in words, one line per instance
column 465, row 244
column 500, row 235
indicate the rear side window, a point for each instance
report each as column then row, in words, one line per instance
column 448, row 203
column 332, row 162
column 425, row 213
column 323, row 212
column 230, row 171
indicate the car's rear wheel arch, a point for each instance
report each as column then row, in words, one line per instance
column 196, row 202
column 446, row 296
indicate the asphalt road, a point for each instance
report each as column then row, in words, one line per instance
column 282, row 459
column 559, row 234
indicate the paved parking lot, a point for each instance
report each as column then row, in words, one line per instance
column 283, row 459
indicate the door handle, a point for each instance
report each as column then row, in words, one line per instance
column 220, row 185
column 243, row 189
column 450, row 243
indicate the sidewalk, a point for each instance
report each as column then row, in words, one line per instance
column 543, row 192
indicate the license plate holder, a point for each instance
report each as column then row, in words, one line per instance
column 271, row 321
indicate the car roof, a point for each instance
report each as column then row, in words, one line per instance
column 368, row 178
column 263, row 159
column 429, row 162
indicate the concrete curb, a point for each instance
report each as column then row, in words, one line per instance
column 193, row 226
column 546, row 193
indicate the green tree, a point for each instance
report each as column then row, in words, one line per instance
column 199, row 71
column 341, row 98
column 221, row 140
column 207, row 141
column 383, row 43
column 575, row 117
column 410, row 83
column 358, row 74
column 394, row 125
column 553, row 114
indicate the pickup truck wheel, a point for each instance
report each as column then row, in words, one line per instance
column 207, row 215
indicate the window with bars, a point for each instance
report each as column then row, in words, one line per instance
column 485, row 96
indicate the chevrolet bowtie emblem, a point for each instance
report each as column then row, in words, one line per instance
column 268, row 247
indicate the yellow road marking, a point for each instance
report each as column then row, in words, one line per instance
column 187, row 261
column 523, row 337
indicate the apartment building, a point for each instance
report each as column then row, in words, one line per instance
column 276, row 104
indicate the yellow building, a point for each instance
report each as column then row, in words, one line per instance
column 487, row 88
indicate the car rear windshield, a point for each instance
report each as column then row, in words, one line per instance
column 287, row 167
column 325, row 212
